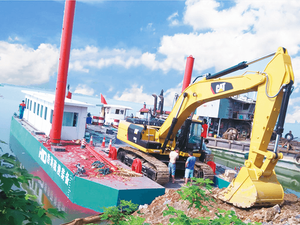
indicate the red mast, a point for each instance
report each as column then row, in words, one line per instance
column 55, row 134
column 188, row 72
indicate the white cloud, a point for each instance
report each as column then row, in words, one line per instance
column 111, row 88
column 22, row 65
column 148, row 28
column 173, row 21
column 169, row 95
column 222, row 38
column 294, row 101
column 294, row 116
column 10, row 39
column 296, row 69
column 171, row 17
column 93, row 57
column 135, row 94
column 84, row 90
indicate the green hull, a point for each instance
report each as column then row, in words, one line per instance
column 84, row 192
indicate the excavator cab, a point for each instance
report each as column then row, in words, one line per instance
column 189, row 136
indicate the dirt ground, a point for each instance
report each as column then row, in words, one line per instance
column 288, row 212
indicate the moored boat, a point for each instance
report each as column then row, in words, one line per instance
column 66, row 162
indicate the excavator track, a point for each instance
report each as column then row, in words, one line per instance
column 202, row 170
column 151, row 167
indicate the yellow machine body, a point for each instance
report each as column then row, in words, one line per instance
column 256, row 183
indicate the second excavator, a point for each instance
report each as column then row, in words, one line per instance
column 256, row 183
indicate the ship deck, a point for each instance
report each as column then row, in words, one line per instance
column 91, row 189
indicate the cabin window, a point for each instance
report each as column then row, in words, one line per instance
column 34, row 106
column 70, row 119
column 30, row 105
column 45, row 117
column 41, row 114
column 38, row 109
column 51, row 116
column 121, row 112
column 234, row 115
column 117, row 111
column 27, row 103
column 246, row 106
column 252, row 106
column 107, row 110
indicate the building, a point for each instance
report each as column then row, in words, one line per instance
column 236, row 111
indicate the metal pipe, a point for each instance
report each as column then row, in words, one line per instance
column 188, row 73
column 174, row 121
column 282, row 114
column 278, row 136
column 264, row 57
column 232, row 69
column 218, row 134
column 184, row 96
column 55, row 134
column 155, row 104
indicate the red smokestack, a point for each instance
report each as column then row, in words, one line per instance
column 188, row 72
column 55, row 134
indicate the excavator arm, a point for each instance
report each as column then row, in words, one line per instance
column 277, row 73
column 256, row 183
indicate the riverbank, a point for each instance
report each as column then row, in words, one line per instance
column 288, row 212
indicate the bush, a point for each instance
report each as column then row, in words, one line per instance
column 16, row 206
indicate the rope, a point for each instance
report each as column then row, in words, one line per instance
column 102, row 169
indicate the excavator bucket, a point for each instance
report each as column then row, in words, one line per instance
column 248, row 190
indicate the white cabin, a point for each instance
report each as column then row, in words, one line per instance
column 39, row 112
column 113, row 112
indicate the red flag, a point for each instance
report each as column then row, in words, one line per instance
column 103, row 100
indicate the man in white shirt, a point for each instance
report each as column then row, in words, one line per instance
column 172, row 163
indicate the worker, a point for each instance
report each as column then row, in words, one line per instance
column 204, row 151
column 203, row 133
column 22, row 107
column 189, row 167
column 172, row 163
column 204, row 129
column 88, row 119
column 289, row 137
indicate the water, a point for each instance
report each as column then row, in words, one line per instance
column 289, row 179
column 47, row 192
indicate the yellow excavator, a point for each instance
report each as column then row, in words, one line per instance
column 256, row 183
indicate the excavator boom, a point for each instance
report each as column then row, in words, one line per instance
column 256, row 183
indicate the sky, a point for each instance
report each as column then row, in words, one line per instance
column 129, row 50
